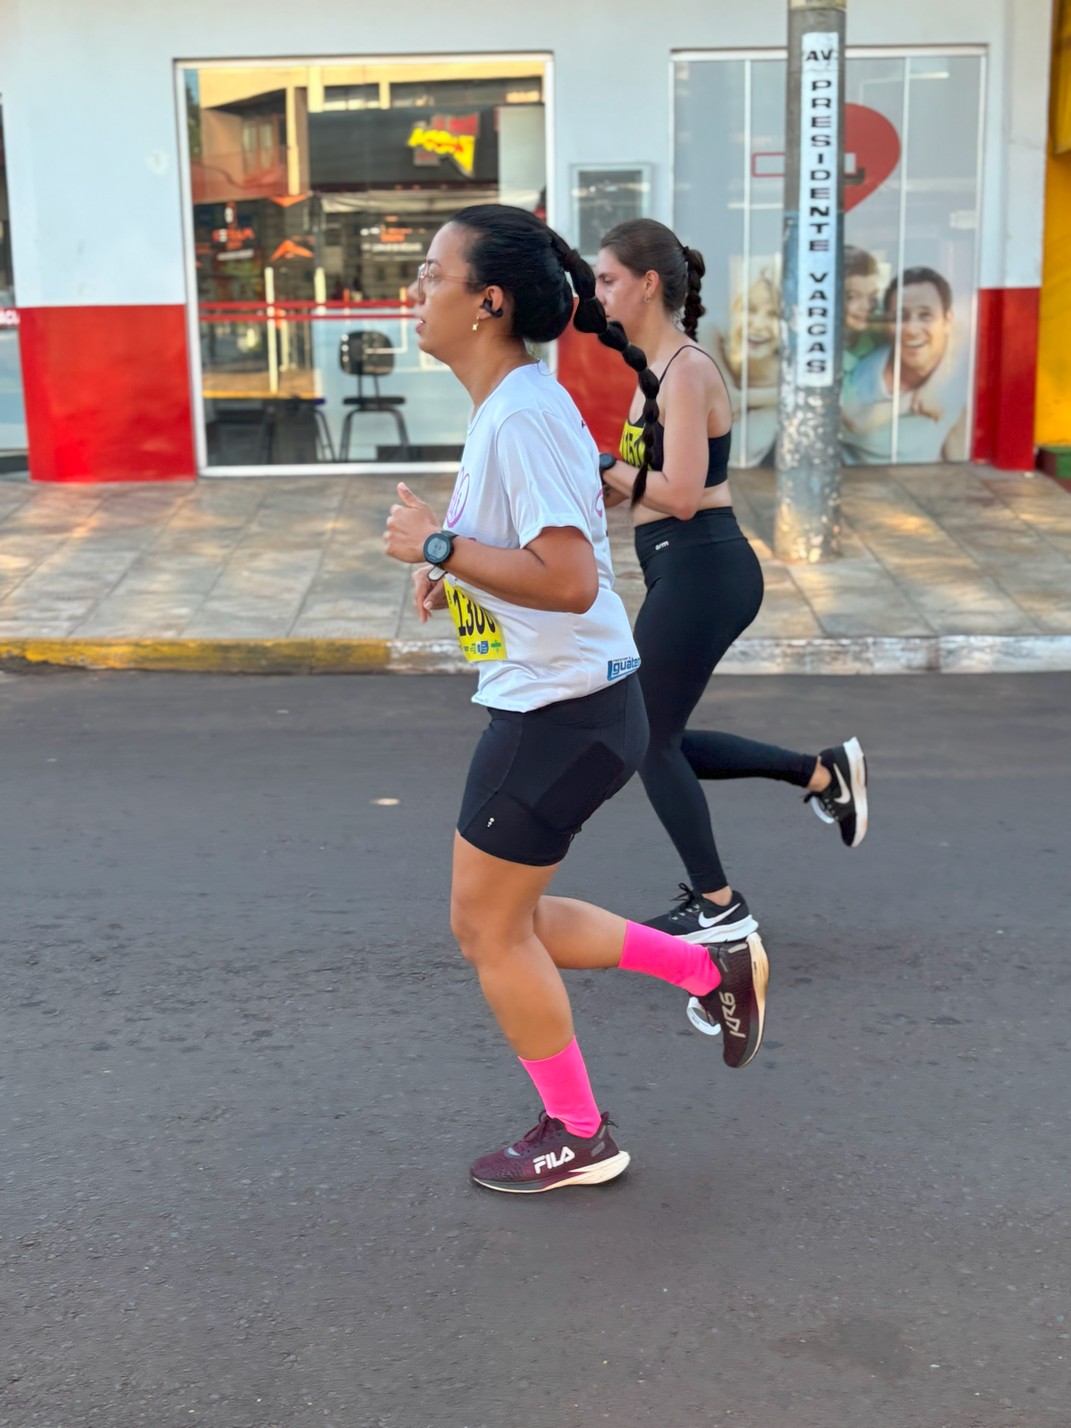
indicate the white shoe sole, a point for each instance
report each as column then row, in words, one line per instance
column 760, row 971
column 591, row 1175
column 724, row 932
column 857, row 778
column 697, row 1017
column 857, row 765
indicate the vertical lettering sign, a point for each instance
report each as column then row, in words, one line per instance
column 819, row 290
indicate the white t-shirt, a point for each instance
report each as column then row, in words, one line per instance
column 529, row 465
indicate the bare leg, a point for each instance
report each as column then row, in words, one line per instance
column 492, row 913
column 820, row 779
column 578, row 935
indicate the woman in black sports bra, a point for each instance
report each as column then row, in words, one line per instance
column 704, row 582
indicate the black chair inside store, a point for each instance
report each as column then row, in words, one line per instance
column 368, row 356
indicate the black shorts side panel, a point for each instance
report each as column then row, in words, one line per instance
column 536, row 778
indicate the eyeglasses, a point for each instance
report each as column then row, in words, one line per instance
column 428, row 275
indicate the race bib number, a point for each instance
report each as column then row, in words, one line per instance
column 478, row 632
column 632, row 448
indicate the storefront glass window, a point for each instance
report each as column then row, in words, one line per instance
column 12, row 415
column 911, row 200
column 315, row 190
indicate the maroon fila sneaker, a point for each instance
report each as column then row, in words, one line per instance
column 737, row 1005
column 549, row 1157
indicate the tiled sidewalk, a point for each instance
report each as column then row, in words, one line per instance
column 942, row 568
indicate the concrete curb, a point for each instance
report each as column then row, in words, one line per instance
column 930, row 654
column 200, row 656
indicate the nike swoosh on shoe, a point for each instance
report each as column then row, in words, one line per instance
column 845, row 795
column 705, row 921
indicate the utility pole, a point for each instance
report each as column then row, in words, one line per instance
column 807, row 524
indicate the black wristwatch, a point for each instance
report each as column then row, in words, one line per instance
column 606, row 460
column 437, row 550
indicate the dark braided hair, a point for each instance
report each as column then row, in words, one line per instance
column 514, row 250
column 693, row 307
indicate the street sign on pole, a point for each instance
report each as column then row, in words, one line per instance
column 807, row 523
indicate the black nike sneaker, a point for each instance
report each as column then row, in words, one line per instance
column 844, row 800
column 697, row 919
column 550, row 1157
column 737, row 1005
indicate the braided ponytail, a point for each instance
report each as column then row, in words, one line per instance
column 693, row 307
column 591, row 317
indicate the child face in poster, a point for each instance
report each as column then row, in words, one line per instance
column 757, row 329
column 751, row 350
column 860, row 299
column 864, row 325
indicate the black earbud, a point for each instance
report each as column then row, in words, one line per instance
column 494, row 311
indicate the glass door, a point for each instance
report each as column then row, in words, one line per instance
column 12, row 412
column 314, row 191
column 912, row 173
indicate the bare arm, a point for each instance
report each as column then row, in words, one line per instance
column 763, row 396
column 621, row 478
column 955, row 447
column 555, row 571
column 678, row 489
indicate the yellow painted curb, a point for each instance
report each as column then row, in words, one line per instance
column 202, row 656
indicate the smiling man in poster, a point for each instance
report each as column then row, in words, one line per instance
column 926, row 360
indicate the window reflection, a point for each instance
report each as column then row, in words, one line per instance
column 316, row 190
column 12, row 414
column 911, row 218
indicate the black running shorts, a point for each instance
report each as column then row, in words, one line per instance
column 537, row 777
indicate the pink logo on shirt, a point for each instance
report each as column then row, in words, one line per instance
column 460, row 499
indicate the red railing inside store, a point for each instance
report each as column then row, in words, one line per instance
column 302, row 310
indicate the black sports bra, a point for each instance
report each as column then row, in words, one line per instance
column 631, row 447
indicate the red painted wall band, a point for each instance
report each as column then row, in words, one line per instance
column 1006, row 382
column 107, row 388
column 107, row 393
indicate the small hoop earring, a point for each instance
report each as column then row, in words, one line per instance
column 647, row 297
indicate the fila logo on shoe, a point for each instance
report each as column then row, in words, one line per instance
column 845, row 795
column 733, row 1023
column 552, row 1161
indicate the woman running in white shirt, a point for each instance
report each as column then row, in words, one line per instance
column 522, row 561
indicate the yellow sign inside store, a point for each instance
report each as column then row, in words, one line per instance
column 449, row 137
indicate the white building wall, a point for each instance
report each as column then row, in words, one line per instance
column 1016, row 146
column 92, row 132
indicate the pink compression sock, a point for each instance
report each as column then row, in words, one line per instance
column 685, row 964
column 564, row 1088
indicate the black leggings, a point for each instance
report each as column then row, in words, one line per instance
column 704, row 587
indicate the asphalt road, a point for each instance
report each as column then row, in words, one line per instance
column 243, row 1070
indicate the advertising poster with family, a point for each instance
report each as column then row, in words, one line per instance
column 909, row 271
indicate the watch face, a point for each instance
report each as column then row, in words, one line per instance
column 437, row 547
